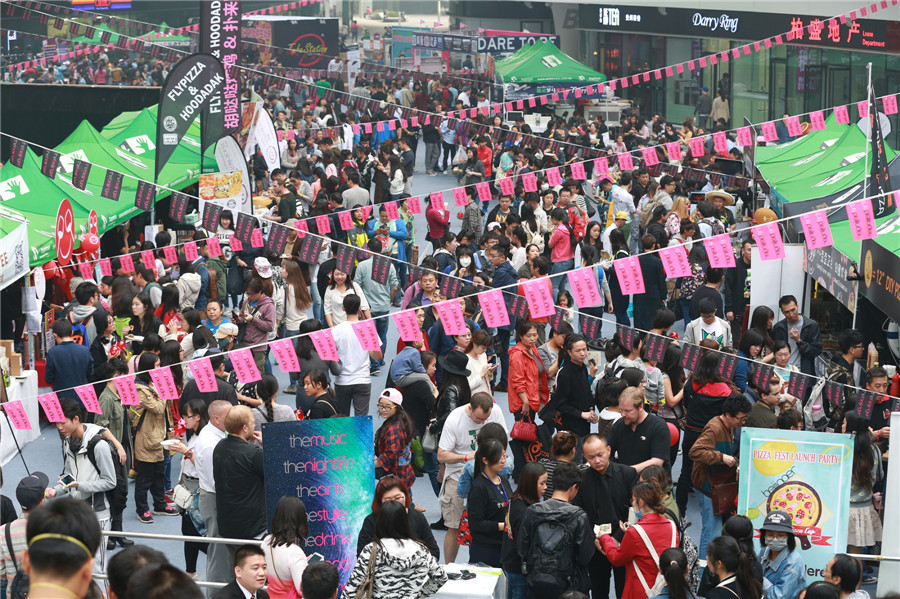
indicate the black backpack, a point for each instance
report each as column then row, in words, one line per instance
column 118, row 495
column 18, row 588
column 549, row 567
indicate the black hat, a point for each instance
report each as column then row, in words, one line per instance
column 30, row 491
column 778, row 521
column 455, row 362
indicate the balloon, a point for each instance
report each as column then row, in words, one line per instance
column 459, row 215
column 90, row 243
column 50, row 269
column 675, row 433
column 765, row 215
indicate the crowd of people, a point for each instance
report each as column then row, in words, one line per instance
column 590, row 498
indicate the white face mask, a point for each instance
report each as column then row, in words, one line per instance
column 465, row 262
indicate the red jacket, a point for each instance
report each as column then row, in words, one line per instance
column 633, row 553
column 523, row 372
column 486, row 156
column 437, row 222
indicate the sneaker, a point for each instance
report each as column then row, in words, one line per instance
column 374, row 371
column 870, row 579
column 169, row 500
column 146, row 518
column 432, row 174
column 439, row 525
column 166, row 511
column 291, row 389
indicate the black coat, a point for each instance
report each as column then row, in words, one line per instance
column 607, row 497
column 810, row 342
column 231, row 591
column 240, row 488
column 418, row 525
column 647, row 303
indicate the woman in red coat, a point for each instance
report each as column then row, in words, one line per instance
column 643, row 542
column 525, row 397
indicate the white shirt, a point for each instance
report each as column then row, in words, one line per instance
column 459, row 435
column 285, row 562
column 207, row 440
column 333, row 302
column 354, row 359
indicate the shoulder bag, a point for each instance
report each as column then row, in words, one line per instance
column 367, row 588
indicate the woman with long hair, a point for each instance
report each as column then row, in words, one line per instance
column 472, row 171
column 532, row 487
column 309, row 359
column 562, row 248
column 172, row 355
column 529, row 387
column 681, row 210
column 740, row 528
column 593, row 236
column 190, row 321
column 297, row 303
column 169, row 311
column 488, row 502
column 864, row 528
column 393, row 453
column 402, row 565
column 396, row 175
column 195, row 418
column 661, row 533
column 699, row 263
column 749, row 348
column 733, row 569
column 573, row 397
column 391, row 488
column 673, row 566
column 342, row 284
column 761, row 321
column 673, row 382
column 290, row 157
column 782, row 564
column 269, row 410
column 532, row 227
column 620, row 301
column 149, row 454
column 143, row 321
column 283, row 548
column 476, row 352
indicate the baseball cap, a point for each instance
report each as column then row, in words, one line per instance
column 30, row 491
column 704, row 89
column 393, row 396
column 778, row 521
column 226, row 329
column 620, row 215
column 263, row 267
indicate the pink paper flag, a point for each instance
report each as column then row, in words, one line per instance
column 650, row 156
column 890, row 104
column 584, row 287
column 841, row 115
column 256, row 239
column 673, row 149
column 675, row 262
column 286, row 354
column 215, row 249
column 793, row 126
column 367, row 127
column 148, row 259
column 698, row 146
column 163, row 381
column 203, row 374
column 702, row 61
column 744, row 137
column 601, row 166
column 539, row 298
column 862, row 107
column 508, row 106
column 236, row 244
column 302, row 228
column 553, row 177
column 816, row 230
column 451, row 317
column 88, row 397
column 484, row 192
column 578, row 171
column 628, row 272
column 170, row 254
column 279, row 135
column 367, row 334
column 493, row 307
column 105, row 267
column 520, row 104
column 190, row 251
column 578, row 92
column 626, row 162
column 408, row 325
column 768, row 130
column 129, row 395
column 459, row 196
column 862, row 219
column 529, row 182
column 506, row 186
column 17, row 416
column 355, row 129
column 127, row 263
column 346, row 220
column 404, row 123
column 768, row 240
column 719, row 252
column 245, row 366
column 323, row 224
column 669, row 72
column 720, row 142
column 393, row 212
column 51, row 406
column 532, row 103
column 679, row 68
column 437, row 200
column 414, row 121
column 415, row 206
column 323, row 341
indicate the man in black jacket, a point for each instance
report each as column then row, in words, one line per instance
column 240, row 478
column 646, row 304
column 605, row 495
column 801, row 333
column 737, row 294
column 250, row 575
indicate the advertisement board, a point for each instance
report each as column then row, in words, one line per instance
column 316, row 41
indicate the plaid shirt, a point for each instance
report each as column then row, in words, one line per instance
column 393, row 451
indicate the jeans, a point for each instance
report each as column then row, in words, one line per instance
column 503, row 337
column 167, row 472
column 634, row 239
column 432, row 154
column 294, row 377
column 317, row 307
column 517, row 586
column 449, row 151
column 150, row 478
column 559, row 281
column 685, row 310
column 431, row 468
column 712, row 523
column 381, row 325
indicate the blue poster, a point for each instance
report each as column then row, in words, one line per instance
column 330, row 465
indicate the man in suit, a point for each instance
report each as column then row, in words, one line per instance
column 249, row 575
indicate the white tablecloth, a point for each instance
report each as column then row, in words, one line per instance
column 489, row 583
column 24, row 388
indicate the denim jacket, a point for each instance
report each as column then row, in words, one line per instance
column 785, row 577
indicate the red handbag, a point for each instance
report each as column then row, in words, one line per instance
column 524, row 430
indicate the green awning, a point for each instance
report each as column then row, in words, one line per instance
column 543, row 62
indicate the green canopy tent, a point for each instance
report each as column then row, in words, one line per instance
column 98, row 31
column 172, row 40
column 542, row 68
column 802, row 147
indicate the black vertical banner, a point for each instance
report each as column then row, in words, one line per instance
column 178, row 206
column 49, row 163
column 112, row 185
column 80, row 172
column 220, row 36
column 145, row 195
column 244, row 227
column 211, row 214
column 278, row 235
column 880, row 184
column 17, row 152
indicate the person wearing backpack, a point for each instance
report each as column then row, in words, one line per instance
column 69, row 364
column 555, row 539
column 30, row 492
column 87, row 312
column 83, row 477
column 642, row 543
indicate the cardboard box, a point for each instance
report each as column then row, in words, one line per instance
column 15, row 364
